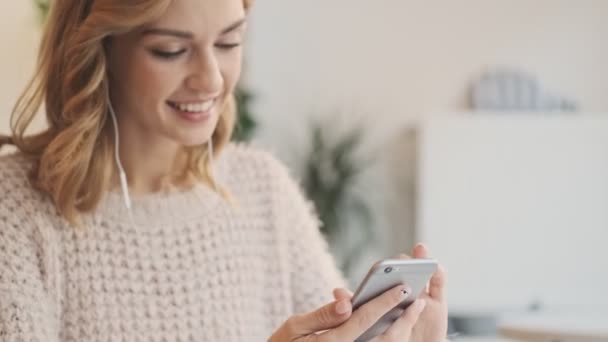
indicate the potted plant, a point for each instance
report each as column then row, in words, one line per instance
column 332, row 172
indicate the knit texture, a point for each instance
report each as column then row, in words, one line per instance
column 188, row 266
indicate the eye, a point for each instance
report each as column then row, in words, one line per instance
column 227, row 46
column 167, row 54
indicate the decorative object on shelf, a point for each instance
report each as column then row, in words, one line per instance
column 245, row 125
column 509, row 89
column 332, row 174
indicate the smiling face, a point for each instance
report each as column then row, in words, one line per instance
column 169, row 79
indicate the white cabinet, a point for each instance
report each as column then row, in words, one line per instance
column 516, row 207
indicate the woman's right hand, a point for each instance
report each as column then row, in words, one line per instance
column 337, row 322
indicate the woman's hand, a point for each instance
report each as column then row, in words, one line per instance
column 337, row 322
column 432, row 325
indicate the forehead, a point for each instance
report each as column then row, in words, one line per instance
column 201, row 16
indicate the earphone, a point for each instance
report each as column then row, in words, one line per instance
column 121, row 171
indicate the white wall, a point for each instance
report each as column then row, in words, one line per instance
column 397, row 60
column 19, row 35
column 515, row 207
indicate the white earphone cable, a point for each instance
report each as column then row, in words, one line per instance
column 121, row 171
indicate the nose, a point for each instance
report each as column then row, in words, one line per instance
column 205, row 75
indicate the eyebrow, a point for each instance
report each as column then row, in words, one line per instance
column 190, row 35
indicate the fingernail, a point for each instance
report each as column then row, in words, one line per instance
column 343, row 307
column 404, row 291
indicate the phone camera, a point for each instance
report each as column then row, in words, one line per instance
column 388, row 270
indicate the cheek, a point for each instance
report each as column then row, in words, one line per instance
column 231, row 70
column 152, row 81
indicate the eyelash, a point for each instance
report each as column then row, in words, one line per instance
column 168, row 55
column 227, row 46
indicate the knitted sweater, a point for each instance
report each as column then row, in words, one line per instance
column 189, row 267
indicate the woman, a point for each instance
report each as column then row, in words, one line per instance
column 168, row 233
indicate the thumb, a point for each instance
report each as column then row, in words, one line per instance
column 326, row 317
column 342, row 293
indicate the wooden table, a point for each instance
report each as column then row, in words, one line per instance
column 571, row 327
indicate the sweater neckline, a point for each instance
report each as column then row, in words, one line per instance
column 160, row 208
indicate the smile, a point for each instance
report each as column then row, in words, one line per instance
column 193, row 107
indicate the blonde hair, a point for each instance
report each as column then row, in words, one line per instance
column 74, row 156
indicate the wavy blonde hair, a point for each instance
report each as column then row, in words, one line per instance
column 74, row 156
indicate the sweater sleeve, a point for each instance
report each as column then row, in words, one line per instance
column 313, row 271
column 26, row 310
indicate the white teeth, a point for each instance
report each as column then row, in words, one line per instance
column 195, row 107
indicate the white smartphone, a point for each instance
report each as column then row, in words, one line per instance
column 386, row 274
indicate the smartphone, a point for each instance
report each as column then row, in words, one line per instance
column 386, row 274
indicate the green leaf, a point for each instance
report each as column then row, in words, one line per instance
column 246, row 124
column 331, row 172
column 43, row 7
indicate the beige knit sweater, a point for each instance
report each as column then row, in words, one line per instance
column 190, row 267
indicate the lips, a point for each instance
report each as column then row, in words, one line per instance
column 193, row 111
column 192, row 107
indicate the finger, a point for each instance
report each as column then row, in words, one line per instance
column 420, row 251
column 368, row 314
column 327, row 317
column 403, row 256
column 437, row 284
column 401, row 329
column 342, row 293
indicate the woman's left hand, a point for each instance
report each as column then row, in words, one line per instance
column 432, row 325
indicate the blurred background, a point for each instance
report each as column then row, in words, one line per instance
column 479, row 127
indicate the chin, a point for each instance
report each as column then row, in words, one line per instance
column 190, row 133
column 194, row 141
column 193, row 137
